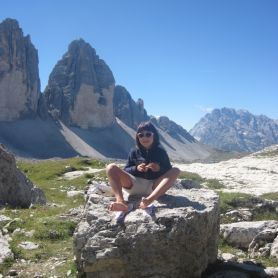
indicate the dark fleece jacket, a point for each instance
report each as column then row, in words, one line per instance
column 139, row 155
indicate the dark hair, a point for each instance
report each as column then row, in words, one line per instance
column 147, row 126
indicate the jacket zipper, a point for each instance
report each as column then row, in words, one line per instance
column 147, row 156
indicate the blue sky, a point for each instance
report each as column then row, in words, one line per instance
column 183, row 58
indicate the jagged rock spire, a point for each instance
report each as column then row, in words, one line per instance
column 19, row 73
column 80, row 88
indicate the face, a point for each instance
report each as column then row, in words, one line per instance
column 145, row 138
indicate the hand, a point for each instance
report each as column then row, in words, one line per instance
column 153, row 166
column 142, row 167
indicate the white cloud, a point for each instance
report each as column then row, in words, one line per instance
column 204, row 109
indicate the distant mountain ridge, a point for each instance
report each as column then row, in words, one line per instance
column 81, row 112
column 236, row 130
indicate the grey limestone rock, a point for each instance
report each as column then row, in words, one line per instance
column 15, row 188
column 179, row 240
column 127, row 110
column 80, row 88
column 19, row 73
column 174, row 130
column 262, row 243
column 133, row 113
column 28, row 245
column 274, row 247
column 249, row 234
column 5, row 251
column 236, row 130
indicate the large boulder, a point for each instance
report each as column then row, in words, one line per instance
column 15, row 188
column 180, row 240
column 80, row 88
column 241, row 234
column 19, row 73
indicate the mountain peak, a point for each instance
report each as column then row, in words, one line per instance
column 19, row 73
column 236, row 130
column 80, row 88
column 80, row 44
column 10, row 23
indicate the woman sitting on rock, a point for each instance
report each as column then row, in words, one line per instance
column 148, row 171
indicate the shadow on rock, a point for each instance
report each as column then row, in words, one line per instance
column 170, row 201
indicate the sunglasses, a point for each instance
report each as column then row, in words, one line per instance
column 147, row 134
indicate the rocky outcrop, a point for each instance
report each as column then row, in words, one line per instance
column 179, row 240
column 133, row 113
column 5, row 251
column 15, row 189
column 127, row 110
column 260, row 238
column 254, row 174
column 80, row 88
column 232, row 130
column 19, row 74
column 174, row 130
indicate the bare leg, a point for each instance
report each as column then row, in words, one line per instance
column 161, row 185
column 118, row 179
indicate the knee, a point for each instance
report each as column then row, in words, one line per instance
column 176, row 171
column 111, row 168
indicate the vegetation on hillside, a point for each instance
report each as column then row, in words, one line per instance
column 50, row 227
column 45, row 225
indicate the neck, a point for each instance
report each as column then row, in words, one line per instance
column 147, row 148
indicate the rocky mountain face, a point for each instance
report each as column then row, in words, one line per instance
column 19, row 74
column 232, row 130
column 174, row 130
column 80, row 88
column 133, row 113
column 80, row 113
column 127, row 110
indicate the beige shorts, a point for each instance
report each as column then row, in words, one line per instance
column 140, row 186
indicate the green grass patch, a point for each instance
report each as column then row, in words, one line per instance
column 210, row 183
column 54, row 229
column 214, row 184
column 267, row 261
column 7, row 263
column 265, row 216
column 224, row 247
column 191, row 176
column 270, row 196
column 232, row 200
column 50, row 169
column 52, row 233
column 89, row 175
column 100, row 175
